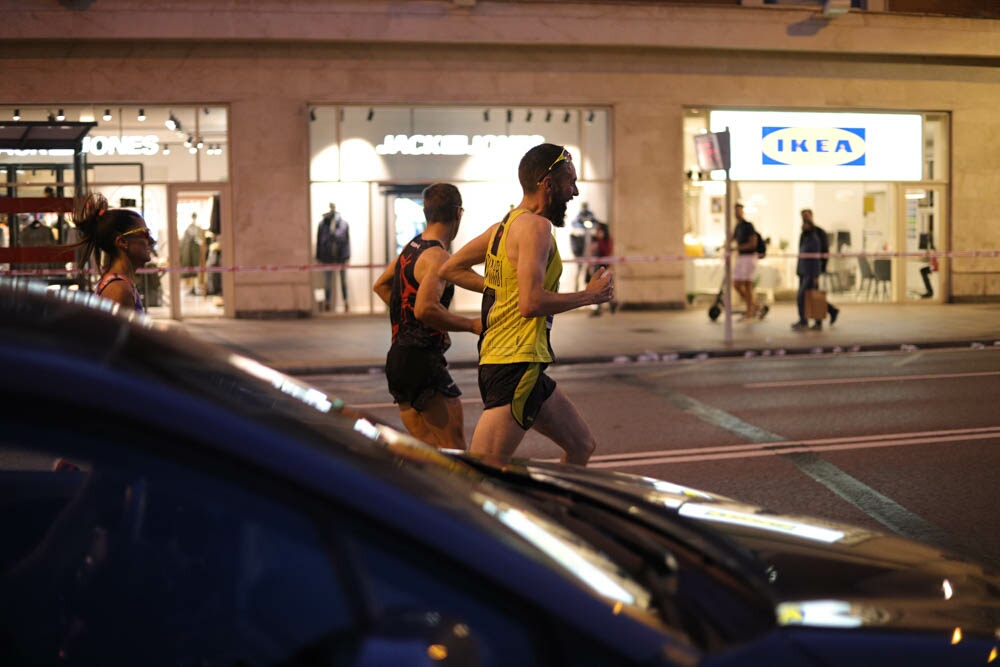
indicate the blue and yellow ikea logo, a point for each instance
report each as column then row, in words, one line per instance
column 813, row 146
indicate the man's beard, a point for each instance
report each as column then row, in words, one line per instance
column 555, row 211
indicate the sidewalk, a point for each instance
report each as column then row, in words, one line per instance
column 358, row 343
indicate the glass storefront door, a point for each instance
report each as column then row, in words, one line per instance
column 196, row 251
column 404, row 210
column 922, row 230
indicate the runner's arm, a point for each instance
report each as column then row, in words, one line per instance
column 458, row 269
column 428, row 307
column 383, row 286
column 533, row 240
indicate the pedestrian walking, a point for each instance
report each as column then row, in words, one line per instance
column 812, row 242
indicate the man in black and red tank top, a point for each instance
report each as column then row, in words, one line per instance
column 418, row 301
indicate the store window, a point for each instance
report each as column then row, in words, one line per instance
column 877, row 208
column 133, row 156
column 371, row 164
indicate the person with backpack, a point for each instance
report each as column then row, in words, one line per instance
column 749, row 245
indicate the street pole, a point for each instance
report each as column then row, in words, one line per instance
column 728, row 271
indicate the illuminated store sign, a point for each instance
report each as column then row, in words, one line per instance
column 456, row 144
column 100, row 145
column 127, row 145
column 790, row 146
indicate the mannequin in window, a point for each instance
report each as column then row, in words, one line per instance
column 37, row 233
column 333, row 246
column 190, row 252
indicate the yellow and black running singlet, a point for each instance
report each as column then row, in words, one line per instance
column 507, row 337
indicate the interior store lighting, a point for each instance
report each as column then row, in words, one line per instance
column 192, row 150
column 548, row 116
column 171, row 122
column 107, row 114
column 566, row 117
column 371, row 114
column 590, row 116
column 188, row 142
column 528, row 115
column 166, row 149
column 60, row 116
column 510, row 115
column 486, row 115
column 200, row 144
column 17, row 114
column 142, row 115
column 52, row 117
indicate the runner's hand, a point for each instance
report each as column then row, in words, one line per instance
column 601, row 286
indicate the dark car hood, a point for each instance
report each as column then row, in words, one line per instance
column 819, row 573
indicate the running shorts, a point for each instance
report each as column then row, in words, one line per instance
column 524, row 386
column 414, row 375
column 744, row 267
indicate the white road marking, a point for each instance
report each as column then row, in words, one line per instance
column 791, row 446
column 862, row 380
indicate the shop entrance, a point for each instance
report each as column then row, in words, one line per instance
column 404, row 215
column 197, row 250
column 922, row 227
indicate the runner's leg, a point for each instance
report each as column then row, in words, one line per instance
column 497, row 433
column 561, row 422
column 441, row 423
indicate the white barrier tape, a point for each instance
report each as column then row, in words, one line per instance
column 613, row 259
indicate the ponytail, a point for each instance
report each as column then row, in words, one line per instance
column 100, row 225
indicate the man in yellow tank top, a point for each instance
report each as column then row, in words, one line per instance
column 520, row 295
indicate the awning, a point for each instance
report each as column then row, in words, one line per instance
column 37, row 135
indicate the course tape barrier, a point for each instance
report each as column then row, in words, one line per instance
column 613, row 259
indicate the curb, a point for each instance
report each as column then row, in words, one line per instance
column 650, row 356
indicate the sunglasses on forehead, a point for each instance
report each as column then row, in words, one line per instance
column 564, row 156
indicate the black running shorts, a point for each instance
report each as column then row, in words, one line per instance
column 523, row 386
column 414, row 375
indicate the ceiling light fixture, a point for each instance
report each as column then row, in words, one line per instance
column 548, row 116
column 60, row 116
column 188, row 142
column 171, row 122
column 200, row 144
column 17, row 114
column 510, row 115
column 528, row 115
column 166, row 149
column 142, row 115
column 566, row 117
column 590, row 116
column 107, row 114
column 371, row 114
column 52, row 117
column 486, row 115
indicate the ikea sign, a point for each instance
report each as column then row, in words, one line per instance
column 791, row 146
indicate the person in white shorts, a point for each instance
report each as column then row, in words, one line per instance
column 745, row 238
